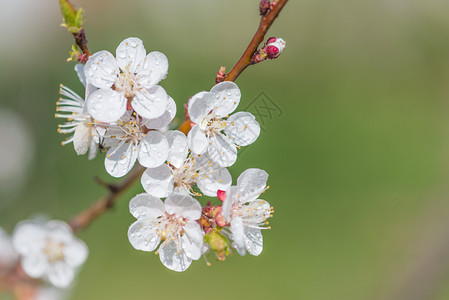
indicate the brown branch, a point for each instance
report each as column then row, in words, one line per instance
column 87, row 216
column 81, row 41
column 258, row 38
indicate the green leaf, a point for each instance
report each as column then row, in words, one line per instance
column 73, row 18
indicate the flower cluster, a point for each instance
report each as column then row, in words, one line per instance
column 127, row 114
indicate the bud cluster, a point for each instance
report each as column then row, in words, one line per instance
column 271, row 50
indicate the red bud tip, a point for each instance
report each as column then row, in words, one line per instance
column 264, row 6
column 221, row 195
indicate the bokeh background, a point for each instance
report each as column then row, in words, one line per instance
column 358, row 151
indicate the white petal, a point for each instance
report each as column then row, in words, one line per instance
column 143, row 236
column 177, row 142
column 60, row 274
column 192, row 240
column 75, row 253
column 155, row 69
column 222, row 150
column 150, row 103
column 35, row 264
column 212, row 177
column 199, row 106
column 120, row 160
column 238, row 235
column 251, row 183
column 158, row 181
column 165, row 119
column 253, row 241
column 106, row 105
column 59, row 231
column 226, row 97
column 183, row 205
column 79, row 69
column 130, row 55
column 28, row 237
column 82, row 138
column 197, row 140
column 101, row 70
column 153, row 150
column 172, row 258
column 226, row 209
column 92, row 149
column 146, row 206
column 242, row 128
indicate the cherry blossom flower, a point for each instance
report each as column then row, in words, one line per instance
column 49, row 251
column 129, row 139
column 215, row 134
column 183, row 171
column 126, row 81
column 79, row 122
column 172, row 225
column 246, row 213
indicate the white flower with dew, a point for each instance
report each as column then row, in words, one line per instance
column 215, row 131
column 49, row 251
column 128, row 80
column 183, row 170
column 172, row 225
column 128, row 140
column 79, row 122
column 246, row 213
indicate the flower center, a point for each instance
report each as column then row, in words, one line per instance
column 54, row 250
column 212, row 124
column 127, row 83
column 186, row 175
column 170, row 228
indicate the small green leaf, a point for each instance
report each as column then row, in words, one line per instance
column 73, row 18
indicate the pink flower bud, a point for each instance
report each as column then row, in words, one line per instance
column 220, row 219
column 221, row 195
column 264, row 6
column 275, row 46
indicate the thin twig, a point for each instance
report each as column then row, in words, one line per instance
column 265, row 23
column 87, row 216
column 83, row 219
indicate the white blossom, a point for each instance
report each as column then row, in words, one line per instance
column 215, row 134
column 129, row 139
column 79, row 122
column 183, row 171
column 172, row 225
column 49, row 251
column 246, row 213
column 126, row 81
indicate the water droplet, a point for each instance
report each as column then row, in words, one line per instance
column 134, row 44
column 139, row 234
column 228, row 93
column 122, row 54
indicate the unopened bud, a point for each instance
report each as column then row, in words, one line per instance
column 221, row 195
column 220, row 219
column 274, row 47
column 217, row 243
column 221, row 75
column 264, row 6
column 73, row 18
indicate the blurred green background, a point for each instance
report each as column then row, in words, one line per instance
column 358, row 159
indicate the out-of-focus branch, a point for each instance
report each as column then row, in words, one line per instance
column 265, row 23
column 87, row 216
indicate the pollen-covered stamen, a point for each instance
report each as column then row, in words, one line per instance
column 171, row 229
column 212, row 124
column 127, row 83
column 254, row 214
column 54, row 250
column 186, row 175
